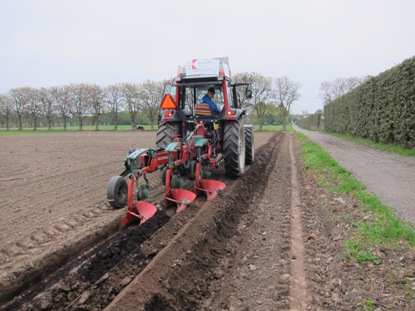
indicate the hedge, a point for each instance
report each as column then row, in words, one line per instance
column 312, row 122
column 381, row 109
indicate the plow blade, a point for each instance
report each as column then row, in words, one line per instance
column 211, row 187
column 182, row 198
column 144, row 212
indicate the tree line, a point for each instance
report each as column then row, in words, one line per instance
column 271, row 96
column 81, row 101
column 270, row 103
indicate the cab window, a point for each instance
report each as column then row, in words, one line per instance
column 170, row 89
column 217, row 98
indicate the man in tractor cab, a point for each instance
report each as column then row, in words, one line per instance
column 208, row 100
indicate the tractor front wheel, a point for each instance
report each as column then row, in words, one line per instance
column 166, row 133
column 117, row 192
column 234, row 148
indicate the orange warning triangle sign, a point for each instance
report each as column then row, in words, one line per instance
column 168, row 102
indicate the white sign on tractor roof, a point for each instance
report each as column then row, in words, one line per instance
column 208, row 67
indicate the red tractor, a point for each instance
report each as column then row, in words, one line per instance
column 191, row 141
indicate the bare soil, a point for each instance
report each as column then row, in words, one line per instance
column 271, row 241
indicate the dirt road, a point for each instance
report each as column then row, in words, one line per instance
column 389, row 176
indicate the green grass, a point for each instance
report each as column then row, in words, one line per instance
column 86, row 128
column 30, row 132
column 69, row 129
column 368, row 304
column 388, row 147
column 380, row 228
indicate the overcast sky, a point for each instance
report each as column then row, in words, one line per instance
column 57, row 42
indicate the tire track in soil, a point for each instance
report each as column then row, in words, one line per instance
column 299, row 296
column 257, row 275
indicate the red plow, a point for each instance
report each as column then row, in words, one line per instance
column 192, row 157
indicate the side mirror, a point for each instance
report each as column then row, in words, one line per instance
column 248, row 92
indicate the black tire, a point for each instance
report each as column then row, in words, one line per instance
column 166, row 133
column 163, row 175
column 192, row 170
column 234, row 148
column 249, row 145
column 117, row 192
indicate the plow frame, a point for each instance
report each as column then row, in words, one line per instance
column 193, row 154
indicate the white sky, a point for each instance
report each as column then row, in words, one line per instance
column 57, row 42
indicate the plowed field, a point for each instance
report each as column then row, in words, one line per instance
column 272, row 240
column 53, row 199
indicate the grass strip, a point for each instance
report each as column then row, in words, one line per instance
column 388, row 147
column 91, row 128
column 379, row 228
column 69, row 129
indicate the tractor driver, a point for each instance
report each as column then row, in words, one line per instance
column 208, row 100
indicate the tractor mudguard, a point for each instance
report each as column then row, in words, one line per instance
column 231, row 114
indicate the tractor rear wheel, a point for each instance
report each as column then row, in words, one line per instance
column 234, row 148
column 117, row 192
column 166, row 133
column 249, row 145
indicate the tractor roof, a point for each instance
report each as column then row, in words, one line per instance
column 214, row 68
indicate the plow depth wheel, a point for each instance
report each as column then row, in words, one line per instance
column 166, row 133
column 163, row 175
column 249, row 145
column 234, row 148
column 117, row 192
column 192, row 170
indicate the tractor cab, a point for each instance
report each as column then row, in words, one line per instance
column 182, row 100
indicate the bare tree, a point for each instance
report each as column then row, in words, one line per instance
column 114, row 101
column 64, row 103
column 6, row 109
column 286, row 92
column 330, row 90
column 151, row 94
column 130, row 95
column 47, row 97
column 261, row 93
column 95, row 98
column 81, row 106
column 20, row 101
column 35, row 106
